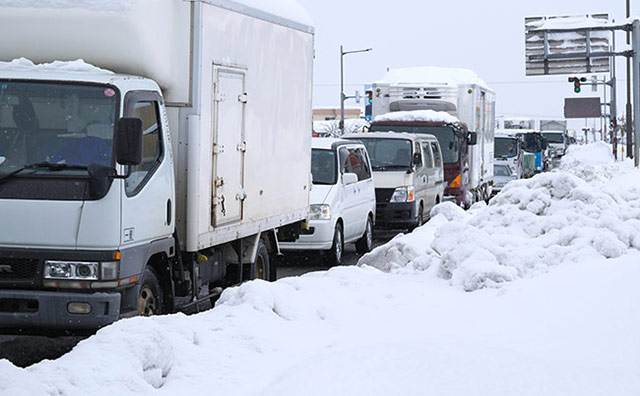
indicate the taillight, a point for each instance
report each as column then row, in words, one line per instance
column 456, row 182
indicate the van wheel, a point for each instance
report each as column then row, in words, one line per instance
column 150, row 298
column 365, row 244
column 262, row 265
column 419, row 220
column 335, row 254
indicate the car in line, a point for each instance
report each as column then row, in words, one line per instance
column 343, row 200
column 408, row 175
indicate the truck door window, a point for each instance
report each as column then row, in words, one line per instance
column 427, row 155
column 151, row 146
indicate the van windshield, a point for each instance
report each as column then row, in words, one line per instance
column 55, row 123
column 554, row 137
column 323, row 166
column 388, row 154
column 448, row 139
column 505, row 147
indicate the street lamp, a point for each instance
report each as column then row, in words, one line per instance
column 343, row 97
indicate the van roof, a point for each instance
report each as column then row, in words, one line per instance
column 390, row 135
column 329, row 143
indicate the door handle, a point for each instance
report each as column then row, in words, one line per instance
column 168, row 212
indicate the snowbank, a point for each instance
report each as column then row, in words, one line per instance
column 78, row 66
column 428, row 75
column 588, row 209
column 418, row 115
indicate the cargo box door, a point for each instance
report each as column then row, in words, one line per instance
column 228, row 146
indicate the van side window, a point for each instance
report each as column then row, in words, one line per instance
column 365, row 162
column 353, row 161
column 151, row 146
column 427, row 155
column 436, row 154
column 416, row 150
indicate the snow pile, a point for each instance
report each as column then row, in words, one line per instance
column 418, row 115
column 332, row 127
column 431, row 75
column 77, row 66
column 589, row 209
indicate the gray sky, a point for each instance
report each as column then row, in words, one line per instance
column 485, row 36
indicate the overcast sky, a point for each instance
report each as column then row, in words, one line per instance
column 485, row 36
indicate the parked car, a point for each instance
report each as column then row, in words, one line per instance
column 502, row 175
column 343, row 200
column 408, row 175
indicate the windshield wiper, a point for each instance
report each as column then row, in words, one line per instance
column 42, row 165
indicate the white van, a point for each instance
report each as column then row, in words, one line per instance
column 343, row 200
column 408, row 176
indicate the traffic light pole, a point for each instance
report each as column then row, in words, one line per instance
column 343, row 97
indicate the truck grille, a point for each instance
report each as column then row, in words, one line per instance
column 384, row 194
column 18, row 268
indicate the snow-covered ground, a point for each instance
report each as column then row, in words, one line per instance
column 534, row 294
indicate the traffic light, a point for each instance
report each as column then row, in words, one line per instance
column 368, row 105
column 576, row 83
column 369, row 97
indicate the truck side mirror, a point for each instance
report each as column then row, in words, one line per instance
column 545, row 144
column 472, row 138
column 128, row 141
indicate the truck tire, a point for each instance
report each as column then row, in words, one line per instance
column 365, row 244
column 337, row 248
column 262, row 266
column 150, row 297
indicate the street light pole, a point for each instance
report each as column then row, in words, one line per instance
column 629, row 121
column 343, row 97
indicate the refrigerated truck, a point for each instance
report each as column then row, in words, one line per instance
column 462, row 118
column 147, row 188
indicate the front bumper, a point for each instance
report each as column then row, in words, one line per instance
column 396, row 214
column 35, row 310
column 319, row 236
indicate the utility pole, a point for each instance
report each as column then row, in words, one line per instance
column 629, row 121
column 343, row 97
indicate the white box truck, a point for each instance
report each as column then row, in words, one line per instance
column 147, row 189
column 454, row 105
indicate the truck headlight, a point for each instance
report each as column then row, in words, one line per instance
column 109, row 270
column 402, row 194
column 74, row 270
column 320, row 212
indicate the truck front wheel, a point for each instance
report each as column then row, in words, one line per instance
column 150, row 298
column 263, row 263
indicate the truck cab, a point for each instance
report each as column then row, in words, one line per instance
column 77, row 214
column 508, row 151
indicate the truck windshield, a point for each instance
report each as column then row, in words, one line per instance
column 55, row 123
column 323, row 166
column 448, row 139
column 554, row 137
column 532, row 142
column 388, row 154
column 505, row 147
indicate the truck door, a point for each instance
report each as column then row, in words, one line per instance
column 148, row 207
column 228, row 145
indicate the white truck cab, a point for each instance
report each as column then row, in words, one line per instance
column 343, row 200
column 408, row 175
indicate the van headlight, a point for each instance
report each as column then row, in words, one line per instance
column 403, row 194
column 81, row 270
column 320, row 212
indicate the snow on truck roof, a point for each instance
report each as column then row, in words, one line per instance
column 426, row 75
column 77, row 66
column 287, row 9
column 418, row 115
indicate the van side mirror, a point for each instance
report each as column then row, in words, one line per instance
column 128, row 141
column 472, row 138
column 349, row 178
